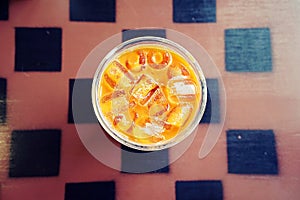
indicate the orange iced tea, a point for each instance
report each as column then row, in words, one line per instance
column 148, row 94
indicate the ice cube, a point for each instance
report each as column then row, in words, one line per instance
column 111, row 82
column 177, row 69
column 125, row 84
column 157, row 113
column 153, row 129
column 159, row 59
column 138, row 132
column 122, row 122
column 144, row 88
column 184, row 89
column 115, row 72
column 136, row 61
column 106, row 102
column 112, row 95
column 158, row 97
column 138, row 113
column 116, row 105
column 179, row 115
column 124, row 70
column 158, row 106
column 114, row 102
column 119, row 104
column 149, row 131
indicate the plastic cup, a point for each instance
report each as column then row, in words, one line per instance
column 149, row 93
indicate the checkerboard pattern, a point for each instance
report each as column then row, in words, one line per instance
column 38, row 49
column 84, row 114
column 193, row 11
column 130, row 34
column 4, row 10
column 140, row 161
column 35, row 153
column 93, row 11
column 47, row 41
column 92, row 190
column 252, row 152
column 199, row 190
column 212, row 114
column 248, row 50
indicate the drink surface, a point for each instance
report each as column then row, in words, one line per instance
column 149, row 94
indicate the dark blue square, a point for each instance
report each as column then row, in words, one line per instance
column 248, row 50
column 199, row 190
column 90, row 191
column 35, row 153
column 80, row 102
column 212, row 110
column 93, row 10
column 251, row 152
column 4, row 9
column 3, row 88
column 38, row 49
column 194, row 11
column 135, row 161
column 130, row 34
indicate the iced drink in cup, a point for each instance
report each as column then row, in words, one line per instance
column 149, row 93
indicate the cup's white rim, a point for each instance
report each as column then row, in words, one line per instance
column 155, row 41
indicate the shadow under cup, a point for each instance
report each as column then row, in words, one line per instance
column 145, row 78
